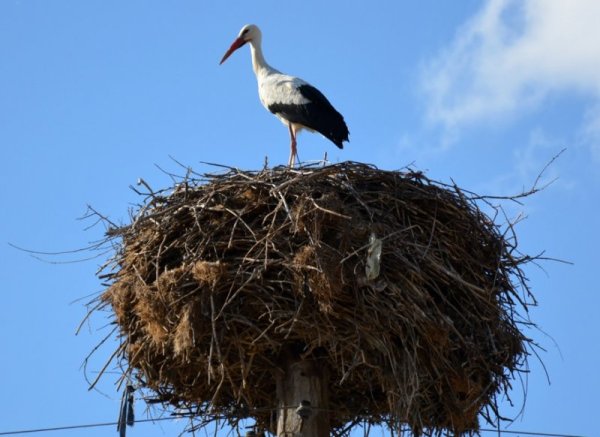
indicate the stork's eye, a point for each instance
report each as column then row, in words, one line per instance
column 245, row 31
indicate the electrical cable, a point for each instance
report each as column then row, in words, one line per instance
column 101, row 424
column 89, row 425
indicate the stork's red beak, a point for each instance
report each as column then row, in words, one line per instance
column 236, row 45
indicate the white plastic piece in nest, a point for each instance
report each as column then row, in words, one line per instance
column 373, row 258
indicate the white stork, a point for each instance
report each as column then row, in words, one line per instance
column 295, row 102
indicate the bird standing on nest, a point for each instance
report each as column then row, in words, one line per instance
column 295, row 102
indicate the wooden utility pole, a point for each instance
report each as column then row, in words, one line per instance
column 302, row 400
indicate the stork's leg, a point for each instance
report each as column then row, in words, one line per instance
column 293, row 150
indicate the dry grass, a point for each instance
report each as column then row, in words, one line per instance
column 215, row 279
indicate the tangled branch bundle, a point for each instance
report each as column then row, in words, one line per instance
column 219, row 277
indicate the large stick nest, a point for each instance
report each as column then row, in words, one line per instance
column 219, row 277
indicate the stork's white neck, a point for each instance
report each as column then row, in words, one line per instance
column 259, row 65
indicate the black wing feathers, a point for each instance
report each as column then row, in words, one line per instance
column 318, row 114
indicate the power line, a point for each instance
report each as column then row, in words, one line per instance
column 102, row 424
column 506, row 431
column 89, row 425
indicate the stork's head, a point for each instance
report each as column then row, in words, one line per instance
column 249, row 33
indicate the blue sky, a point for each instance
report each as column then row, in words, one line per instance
column 96, row 94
